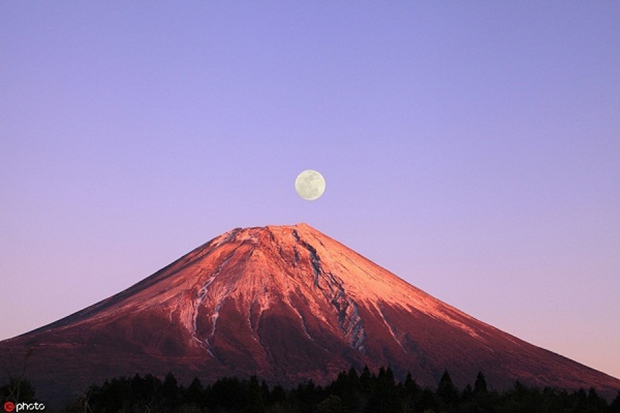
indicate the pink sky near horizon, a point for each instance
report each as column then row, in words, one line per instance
column 471, row 149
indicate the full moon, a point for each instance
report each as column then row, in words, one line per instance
column 310, row 185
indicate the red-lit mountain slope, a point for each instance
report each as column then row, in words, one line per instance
column 286, row 303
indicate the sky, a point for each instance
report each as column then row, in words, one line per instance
column 471, row 148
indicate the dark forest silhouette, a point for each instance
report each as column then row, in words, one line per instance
column 350, row 392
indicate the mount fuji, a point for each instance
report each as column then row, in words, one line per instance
column 285, row 303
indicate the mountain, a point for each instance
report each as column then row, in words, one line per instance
column 286, row 303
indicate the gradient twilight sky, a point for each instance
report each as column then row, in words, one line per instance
column 472, row 148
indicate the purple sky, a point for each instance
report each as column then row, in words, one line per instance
column 472, row 148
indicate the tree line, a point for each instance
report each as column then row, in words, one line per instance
column 350, row 392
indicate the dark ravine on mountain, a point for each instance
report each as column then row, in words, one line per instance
column 285, row 303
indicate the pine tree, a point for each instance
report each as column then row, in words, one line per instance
column 467, row 393
column 411, row 392
column 480, row 386
column 170, row 392
column 366, row 380
column 446, row 390
column 255, row 396
column 277, row 395
column 614, row 407
column 385, row 395
column 352, row 375
column 195, row 392
column 595, row 403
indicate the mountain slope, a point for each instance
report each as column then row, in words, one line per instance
column 286, row 303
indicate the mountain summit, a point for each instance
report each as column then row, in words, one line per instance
column 286, row 303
